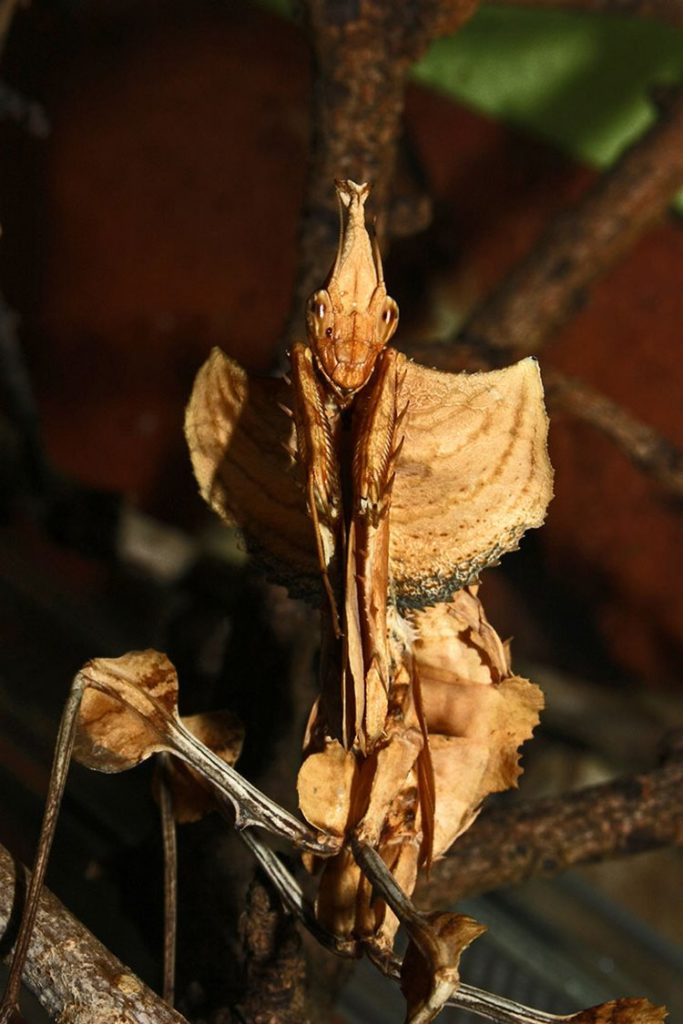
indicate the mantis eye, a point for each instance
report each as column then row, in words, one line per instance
column 388, row 319
column 319, row 316
column 317, row 305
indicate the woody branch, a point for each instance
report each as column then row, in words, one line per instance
column 75, row 978
column 546, row 288
column 362, row 55
column 535, row 838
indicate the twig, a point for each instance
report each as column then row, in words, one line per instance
column 362, row 55
column 544, row 290
column 75, row 978
column 670, row 11
column 654, row 454
column 170, row 845
column 545, row 837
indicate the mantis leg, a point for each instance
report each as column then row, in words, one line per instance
column 319, row 460
column 377, row 443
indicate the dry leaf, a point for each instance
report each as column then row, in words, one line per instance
column 243, row 450
column 428, row 983
column 325, row 785
column 622, row 1011
column 128, row 712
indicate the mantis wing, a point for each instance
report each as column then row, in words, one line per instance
column 473, row 473
column 472, row 476
column 243, row 449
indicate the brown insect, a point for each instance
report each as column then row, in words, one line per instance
column 394, row 485
column 380, row 490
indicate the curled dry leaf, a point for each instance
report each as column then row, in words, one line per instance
column 191, row 797
column 427, row 985
column 622, row 1011
column 472, row 475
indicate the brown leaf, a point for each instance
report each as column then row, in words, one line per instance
column 116, row 734
column 428, row 983
column 223, row 733
column 622, row 1011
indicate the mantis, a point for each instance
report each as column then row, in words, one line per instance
column 379, row 490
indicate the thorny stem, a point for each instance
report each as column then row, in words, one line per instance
column 468, row 997
column 544, row 290
column 251, row 806
column 169, row 839
column 670, row 11
column 415, row 923
column 291, row 894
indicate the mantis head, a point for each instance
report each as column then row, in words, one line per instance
column 351, row 320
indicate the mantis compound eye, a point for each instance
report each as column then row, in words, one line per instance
column 319, row 316
column 388, row 319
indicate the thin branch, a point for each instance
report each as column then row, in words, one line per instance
column 545, row 289
column 545, row 837
column 75, row 978
column 654, row 454
column 170, row 846
column 669, row 11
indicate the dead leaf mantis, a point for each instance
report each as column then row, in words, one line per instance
column 395, row 486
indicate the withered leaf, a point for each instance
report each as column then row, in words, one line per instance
column 473, row 473
column 428, row 983
column 116, row 734
column 622, row 1011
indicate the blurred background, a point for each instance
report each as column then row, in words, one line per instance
column 154, row 165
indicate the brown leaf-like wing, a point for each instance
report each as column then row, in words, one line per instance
column 243, row 449
column 472, row 476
